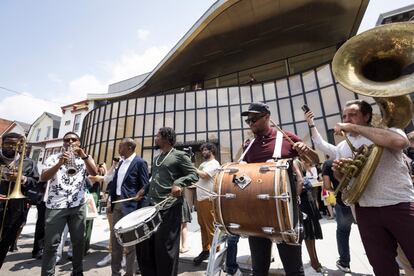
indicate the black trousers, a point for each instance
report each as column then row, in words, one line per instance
column 290, row 255
column 158, row 255
column 14, row 218
column 39, row 237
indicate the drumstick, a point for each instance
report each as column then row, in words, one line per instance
column 125, row 199
column 206, row 190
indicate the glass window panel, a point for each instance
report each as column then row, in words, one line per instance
column 140, row 105
column 224, row 117
column 309, row 80
column 257, row 92
column 149, row 120
column 169, row 119
column 235, row 117
column 148, row 141
column 369, row 100
column 180, row 138
column 112, row 129
column 98, row 133
column 236, row 140
column 190, row 121
column 314, row 103
column 179, row 101
column 201, row 136
column 169, row 103
column 212, row 97
column 201, row 98
column 248, row 134
column 330, row 103
column 344, row 95
column 102, row 153
column 190, row 100
column 245, row 94
column 212, row 136
column 285, row 111
column 122, row 108
column 190, row 137
column 295, row 85
column 150, row 105
column 302, row 130
column 273, row 111
column 109, row 153
column 269, row 91
column 105, row 131
column 212, row 119
column 289, row 127
column 129, row 128
column 101, row 113
column 131, row 107
column 147, row 155
column 159, row 103
column 138, row 148
column 159, row 121
column 108, row 111
column 225, row 151
column 234, row 95
column 179, row 122
column 115, row 110
column 139, row 125
column 324, row 75
column 95, row 116
column 297, row 103
column 121, row 128
column 333, row 120
column 282, row 88
column 222, row 96
column 201, row 120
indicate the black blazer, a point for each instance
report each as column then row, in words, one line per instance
column 135, row 179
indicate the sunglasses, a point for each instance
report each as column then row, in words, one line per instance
column 68, row 140
column 254, row 119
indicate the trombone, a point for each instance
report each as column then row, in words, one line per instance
column 16, row 193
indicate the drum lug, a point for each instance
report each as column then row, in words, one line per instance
column 283, row 197
column 229, row 170
column 242, row 181
column 233, row 226
column 266, row 169
column 229, row 196
column 268, row 230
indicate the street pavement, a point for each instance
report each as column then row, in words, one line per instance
column 20, row 263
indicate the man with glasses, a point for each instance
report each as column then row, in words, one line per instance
column 262, row 149
column 65, row 201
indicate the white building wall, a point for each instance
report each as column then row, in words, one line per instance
column 42, row 124
column 68, row 115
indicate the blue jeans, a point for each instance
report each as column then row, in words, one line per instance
column 231, row 257
column 344, row 220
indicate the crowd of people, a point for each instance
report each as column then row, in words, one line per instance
column 71, row 179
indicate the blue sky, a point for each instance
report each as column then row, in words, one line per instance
column 55, row 52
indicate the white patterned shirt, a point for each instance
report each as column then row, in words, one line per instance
column 65, row 191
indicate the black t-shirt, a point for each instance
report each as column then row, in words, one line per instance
column 327, row 170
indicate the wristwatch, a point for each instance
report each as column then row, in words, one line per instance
column 86, row 157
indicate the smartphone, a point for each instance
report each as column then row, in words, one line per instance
column 116, row 159
column 305, row 108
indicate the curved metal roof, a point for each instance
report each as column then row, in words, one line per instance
column 235, row 35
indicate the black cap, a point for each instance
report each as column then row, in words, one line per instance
column 257, row 108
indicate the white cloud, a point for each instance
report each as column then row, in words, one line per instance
column 80, row 87
column 54, row 78
column 131, row 63
column 143, row 34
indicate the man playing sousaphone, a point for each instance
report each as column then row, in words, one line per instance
column 12, row 211
column 262, row 149
column 65, row 201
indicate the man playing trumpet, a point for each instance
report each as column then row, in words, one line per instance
column 65, row 201
column 12, row 211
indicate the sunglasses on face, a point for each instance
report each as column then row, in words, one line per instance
column 68, row 140
column 253, row 120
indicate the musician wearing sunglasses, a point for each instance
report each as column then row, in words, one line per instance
column 271, row 143
column 65, row 201
column 13, row 211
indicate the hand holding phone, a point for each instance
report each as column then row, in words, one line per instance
column 305, row 108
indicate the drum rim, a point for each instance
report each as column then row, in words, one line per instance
column 136, row 225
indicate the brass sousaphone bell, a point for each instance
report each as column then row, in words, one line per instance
column 377, row 63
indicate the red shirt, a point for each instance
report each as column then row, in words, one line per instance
column 264, row 145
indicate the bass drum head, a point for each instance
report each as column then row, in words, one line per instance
column 135, row 218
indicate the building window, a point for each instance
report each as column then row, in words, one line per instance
column 49, row 128
column 76, row 123
column 67, row 122
column 37, row 134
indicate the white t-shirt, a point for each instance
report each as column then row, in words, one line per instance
column 65, row 191
column 122, row 170
column 390, row 183
column 211, row 168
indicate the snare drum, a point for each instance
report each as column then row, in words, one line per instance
column 257, row 199
column 137, row 226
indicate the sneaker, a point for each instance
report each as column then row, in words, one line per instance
column 105, row 261
column 58, row 259
column 343, row 267
column 201, row 257
column 237, row 273
column 123, row 262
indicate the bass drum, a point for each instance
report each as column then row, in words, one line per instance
column 257, row 199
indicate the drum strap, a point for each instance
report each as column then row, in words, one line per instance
column 277, row 152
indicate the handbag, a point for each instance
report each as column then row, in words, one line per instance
column 91, row 211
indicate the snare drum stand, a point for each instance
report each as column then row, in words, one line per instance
column 217, row 259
